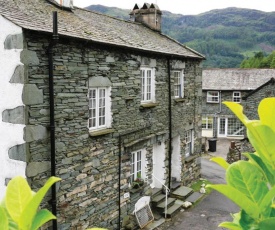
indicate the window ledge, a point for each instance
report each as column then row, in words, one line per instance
column 190, row 158
column 149, row 105
column 136, row 190
column 179, row 99
column 94, row 133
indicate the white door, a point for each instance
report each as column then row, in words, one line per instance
column 222, row 127
column 176, row 159
column 158, row 165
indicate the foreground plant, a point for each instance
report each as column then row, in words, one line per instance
column 19, row 209
column 251, row 184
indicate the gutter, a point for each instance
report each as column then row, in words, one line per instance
column 52, row 122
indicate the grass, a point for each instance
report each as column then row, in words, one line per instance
column 197, row 185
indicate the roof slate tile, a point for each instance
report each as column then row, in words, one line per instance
column 80, row 23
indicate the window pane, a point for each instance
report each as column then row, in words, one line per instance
column 146, row 85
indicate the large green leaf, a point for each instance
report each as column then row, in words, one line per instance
column 4, row 222
column 238, row 198
column 18, row 195
column 230, row 225
column 220, row 161
column 262, row 138
column 267, row 224
column 42, row 217
column 265, row 205
column 246, row 222
column 255, row 159
column 237, row 109
column 29, row 212
column 266, row 112
column 248, row 179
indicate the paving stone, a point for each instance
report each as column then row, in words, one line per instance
column 194, row 197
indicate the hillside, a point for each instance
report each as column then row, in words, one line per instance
column 225, row 36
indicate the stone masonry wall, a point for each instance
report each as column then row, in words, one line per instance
column 252, row 102
column 88, row 165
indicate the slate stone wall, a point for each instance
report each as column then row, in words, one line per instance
column 252, row 102
column 88, row 166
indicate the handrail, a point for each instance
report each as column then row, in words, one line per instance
column 167, row 190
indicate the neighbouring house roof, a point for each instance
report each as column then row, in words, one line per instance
column 95, row 27
column 271, row 81
column 235, row 79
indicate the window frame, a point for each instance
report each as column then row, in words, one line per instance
column 102, row 118
column 208, row 123
column 137, row 164
column 237, row 99
column 147, row 93
column 208, row 97
column 189, row 142
column 179, row 87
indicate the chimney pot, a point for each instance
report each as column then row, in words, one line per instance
column 149, row 15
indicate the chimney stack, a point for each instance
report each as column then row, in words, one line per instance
column 150, row 15
column 65, row 3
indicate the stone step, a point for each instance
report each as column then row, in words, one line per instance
column 194, row 197
column 170, row 202
column 158, row 199
column 156, row 192
column 172, row 211
column 181, row 193
column 155, row 224
column 175, row 185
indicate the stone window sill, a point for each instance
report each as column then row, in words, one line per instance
column 136, row 190
column 190, row 158
column 179, row 99
column 95, row 133
column 149, row 105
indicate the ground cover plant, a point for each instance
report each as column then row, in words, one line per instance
column 251, row 184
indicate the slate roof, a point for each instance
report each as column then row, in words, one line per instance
column 79, row 23
column 235, row 79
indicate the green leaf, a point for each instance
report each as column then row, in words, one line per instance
column 267, row 224
column 238, row 198
column 12, row 224
column 255, row 159
column 237, row 109
column 42, row 217
column 246, row 222
column 18, row 195
column 30, row 211
column 248, row 179
column 220, row 161
column 266, row 112
column 262, row 138
column 265, row 205
column 4, row 222
column 230, row 225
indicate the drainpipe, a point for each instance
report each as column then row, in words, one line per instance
column 218, row 112
column 52, row 123
column 170, row 124
column 119, row 178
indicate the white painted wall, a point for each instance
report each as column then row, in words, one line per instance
column 10, row 98
column 158, row 165
column 207, row 133
column 176, row 159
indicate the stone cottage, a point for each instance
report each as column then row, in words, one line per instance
column 99, row 102
column 245, row 86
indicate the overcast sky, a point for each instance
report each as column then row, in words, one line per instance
column 183, row 6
